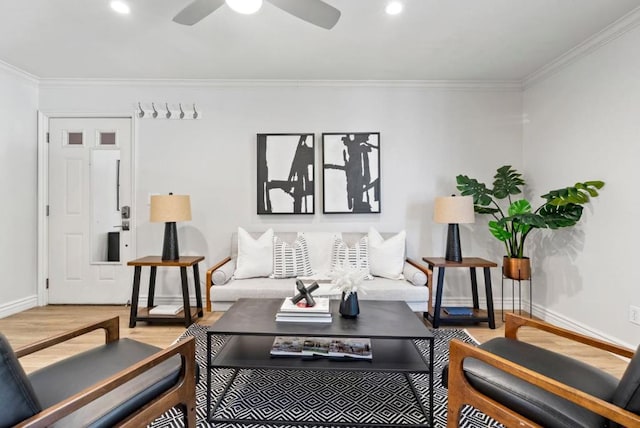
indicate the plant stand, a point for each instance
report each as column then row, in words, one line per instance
column 513, row 302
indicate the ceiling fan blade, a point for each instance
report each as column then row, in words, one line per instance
column 315, row 12
column 196, row 11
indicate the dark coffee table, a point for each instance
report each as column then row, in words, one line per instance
column 391, row 326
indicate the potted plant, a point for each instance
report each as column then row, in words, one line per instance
column 561, row 208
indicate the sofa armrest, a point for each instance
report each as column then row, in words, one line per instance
column 461, row 392
column 209, row 281
column 110, row 326
column 513, row 322
column 181, row 394
column 429, row 274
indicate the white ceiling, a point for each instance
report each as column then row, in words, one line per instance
column 430, row 40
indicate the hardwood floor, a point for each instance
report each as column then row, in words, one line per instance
column 38, row 323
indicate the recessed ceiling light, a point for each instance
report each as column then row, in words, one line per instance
column 246, row 7
column 120, row 7
column 393, row 8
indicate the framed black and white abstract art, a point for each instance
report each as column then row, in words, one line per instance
column 286, row 173
column 351, row 172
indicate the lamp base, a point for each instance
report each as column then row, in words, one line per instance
column 454, row 253
column 170, row 244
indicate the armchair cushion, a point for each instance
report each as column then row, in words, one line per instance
column 627, row 395
column 54, row 384
column 532, row 402
column 18, row 399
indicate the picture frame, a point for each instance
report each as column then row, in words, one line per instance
column 286, row 173
column 351, row 173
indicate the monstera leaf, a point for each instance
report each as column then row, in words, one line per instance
column 472, row 187
column 507, row 181
column 559, row 216
column 578, row 194
column 499, row 230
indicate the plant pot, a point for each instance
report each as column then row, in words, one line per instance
column 349, row 307
column 515, row 268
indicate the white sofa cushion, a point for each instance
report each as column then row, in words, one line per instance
column 290, row 261
column 414, row 275
column 255, row 256
column 386, row 257
column 320, row 245
column 224, row 273
column 357, row 256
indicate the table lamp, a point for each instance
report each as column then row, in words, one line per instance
column 453, row 210
column 170, row 209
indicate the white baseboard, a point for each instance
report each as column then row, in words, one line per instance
column 543, row 313
column 19, row 305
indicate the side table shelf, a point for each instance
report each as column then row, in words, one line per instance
column 513, row 297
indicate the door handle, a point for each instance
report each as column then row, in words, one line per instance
column 124, row 226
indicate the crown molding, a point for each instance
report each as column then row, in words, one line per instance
column 623, row 25
column 19, row 72
column 467, row 85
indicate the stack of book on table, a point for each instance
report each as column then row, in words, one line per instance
column 300, row 312
column 165, row 310
column 458, row 311
column 322, row 347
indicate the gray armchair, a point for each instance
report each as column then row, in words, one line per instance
column 121, row 383
column 519, row 384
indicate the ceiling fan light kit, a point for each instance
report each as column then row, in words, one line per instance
column 245, row 7
column 315, row 12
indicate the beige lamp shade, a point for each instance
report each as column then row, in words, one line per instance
column 453, row 209
column 170, row 208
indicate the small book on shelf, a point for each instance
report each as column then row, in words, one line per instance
column 460, row 311
column 165, row 310
column 322, row 347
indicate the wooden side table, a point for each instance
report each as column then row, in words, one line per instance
column 188, row 313
column 437, row 316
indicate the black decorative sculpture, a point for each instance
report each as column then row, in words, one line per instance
column 305, row 293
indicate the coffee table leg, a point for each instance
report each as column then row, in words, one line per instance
column 208, row 376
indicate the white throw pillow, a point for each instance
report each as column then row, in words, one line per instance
column 255, row 256
column 386, row 257
column 357, row 256
column 290, row 261
column 320, row 245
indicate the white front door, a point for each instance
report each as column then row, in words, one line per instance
column 90, row 207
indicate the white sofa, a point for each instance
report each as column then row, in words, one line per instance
column 222, row 289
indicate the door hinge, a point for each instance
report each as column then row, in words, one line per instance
column 47, row 137
column 47, row 283
column 47, row 211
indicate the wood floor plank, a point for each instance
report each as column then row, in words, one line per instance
column 37, row 323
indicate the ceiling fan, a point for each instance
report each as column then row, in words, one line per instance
column 316, row 12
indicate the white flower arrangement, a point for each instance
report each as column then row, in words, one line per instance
column 347, row 279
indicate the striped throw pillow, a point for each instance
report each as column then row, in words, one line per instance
column 357, row 256
column 290, row 261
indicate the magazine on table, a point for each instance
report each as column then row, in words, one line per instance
column 321, row 306
column 319, row 347
column 303, row 319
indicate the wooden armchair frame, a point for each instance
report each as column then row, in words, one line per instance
column 461, row 392
column 181, row 395
column 221, row 263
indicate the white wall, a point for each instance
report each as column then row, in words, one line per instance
column 583, row 123
column 428, row 136
column 18, row 166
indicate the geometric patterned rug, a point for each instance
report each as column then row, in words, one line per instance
column 319, row 396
